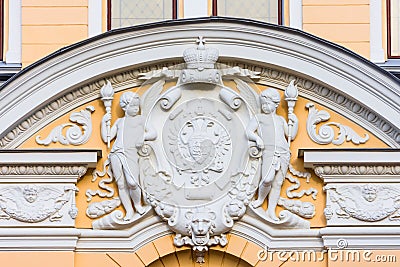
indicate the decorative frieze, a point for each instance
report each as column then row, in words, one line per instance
column 355, row 204
column 38, row 187
column 76, row 170
column 32, row 203
column 361, row 185
column 331, row 170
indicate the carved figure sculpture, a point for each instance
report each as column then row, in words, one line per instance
column 272, row 131
column 130, row 133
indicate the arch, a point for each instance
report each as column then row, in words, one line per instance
column 238, row 252
column 347, row 82
column 218, row 259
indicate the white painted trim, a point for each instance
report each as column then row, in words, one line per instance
column 48, row 157
column 361, row 179
column 193, row 9
column 14, row 53
column 132, row 239
column 29, row 179
column 362, row 237
column 377, row 53
column 95, row 16
column 264, row 235
column 38, row 239
column 364, row 157
column 296, row 14
column 152, row 228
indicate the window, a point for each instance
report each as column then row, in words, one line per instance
column 123, row 13
column 263, row 10
column 393, row 22
column 1, row 29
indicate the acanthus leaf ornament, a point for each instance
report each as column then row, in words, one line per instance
column 74, row 135
column 326, row 134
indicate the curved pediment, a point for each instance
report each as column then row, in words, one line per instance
column 324, row 72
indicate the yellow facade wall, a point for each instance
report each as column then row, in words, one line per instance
column 37, row 259
column 49, row 25
column 345, row 22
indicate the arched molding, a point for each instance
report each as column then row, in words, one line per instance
column 225, row 259
column 329, row 73
column 149, row 230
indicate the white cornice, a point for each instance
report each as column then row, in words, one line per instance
column 362, row 237
column 49, row 157
column 35, row 239
column 265, row 236
column 321, row 157
column 354, row 165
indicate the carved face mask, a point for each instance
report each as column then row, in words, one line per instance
column 369, row 195
column 30, row 195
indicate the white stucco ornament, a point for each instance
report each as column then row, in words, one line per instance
column 197, row 153
column 363, row 203
column 32, row 204
column 74, row 134
column 326, row 133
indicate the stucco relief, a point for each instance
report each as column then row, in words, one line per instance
column 36, row 203
column 368, row 203
column 197, row 154
column 98, row 209
column 74, row 134
column 326, row 133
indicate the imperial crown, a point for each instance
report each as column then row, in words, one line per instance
column 200, row 58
